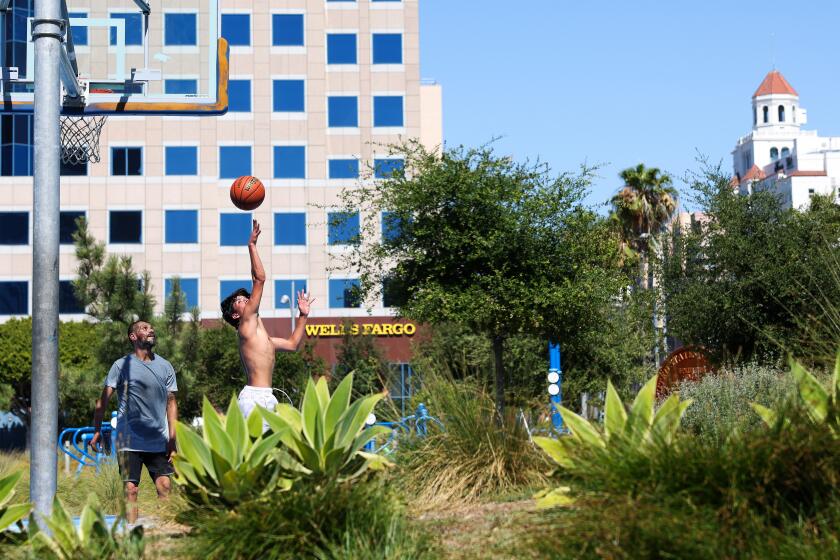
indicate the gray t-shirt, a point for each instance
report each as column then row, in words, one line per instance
column 143, row 388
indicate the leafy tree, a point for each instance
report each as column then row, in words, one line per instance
column 477, row 239
column 755, row 278
column 358, row 354
column 641, row 209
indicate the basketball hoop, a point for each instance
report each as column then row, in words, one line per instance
column 80, row 139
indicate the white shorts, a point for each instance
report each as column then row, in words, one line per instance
column 251, row 397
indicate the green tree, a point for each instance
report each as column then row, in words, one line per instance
column 755, row 279
column 477, row 239
column 642, row 208
column 358, row 354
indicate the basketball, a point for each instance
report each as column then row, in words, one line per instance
column 247, row 193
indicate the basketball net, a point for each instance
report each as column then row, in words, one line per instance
column 80, row 139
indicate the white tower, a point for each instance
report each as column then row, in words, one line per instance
column 776, row 103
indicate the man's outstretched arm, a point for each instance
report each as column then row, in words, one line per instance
column 257, row 274
column 98, row 413
column 291, row 344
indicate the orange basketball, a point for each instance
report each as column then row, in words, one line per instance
column 247, row 192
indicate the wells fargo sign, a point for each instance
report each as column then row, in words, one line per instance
column 356, row 329
column 688, row 363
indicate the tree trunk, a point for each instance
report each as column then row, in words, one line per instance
column 498, row 345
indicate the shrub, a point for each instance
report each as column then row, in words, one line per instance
column 92, row 540
column 722, row 402
column 323, row 520
column 474, row 457
column 230, row 463
column 10, row 513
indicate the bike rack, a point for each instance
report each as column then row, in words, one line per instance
column 419, row 421
column 79, row 439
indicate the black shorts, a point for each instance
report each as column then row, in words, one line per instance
column 131, row 465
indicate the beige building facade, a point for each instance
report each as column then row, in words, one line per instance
column 318, row 88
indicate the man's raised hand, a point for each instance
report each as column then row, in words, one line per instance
column 255, row 233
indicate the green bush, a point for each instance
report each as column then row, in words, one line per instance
column 92, row 540
column 722, row 402
column 474, row 457
column 362, row 520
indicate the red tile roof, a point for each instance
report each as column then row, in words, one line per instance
column 774, row 83
column 800, row 173
column 734, row 182
column 754, row 174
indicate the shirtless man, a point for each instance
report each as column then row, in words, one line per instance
column 256, row 348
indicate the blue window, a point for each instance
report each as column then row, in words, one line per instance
column 180, row 30
column 344, row 292
column 17, row 151
column 133, row 28
column 391, row 226
column 289, row 96
column 67, row 225
column 189, row 287
column 384, row 168
column 239, row 96
column 127, row 161
column 180, row 86
column 181, row 160
column 14, row 228
column 284, row 288
column 290, row 228
column 341, row 48
column 388, row 110
column 344, row 169
column 287, row 30
column 387, row 48
column 14, row 296
column 342, row 228
column 236, row 28
column 181, row 226
column 234, row 229
column 79, row 32
column 227, row 287
column 67, row 302
column 343, row 111
column 234, row 161
column 125, row 226
column 289, row 162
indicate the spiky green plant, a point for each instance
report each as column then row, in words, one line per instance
column 231, row 462
column 643, row 426
column 818, row 400
column 324, row 439
column 92, row 540
column 12, row 513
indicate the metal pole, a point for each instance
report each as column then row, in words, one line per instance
column 555, row 377
column 292, row 305
column 47, row 33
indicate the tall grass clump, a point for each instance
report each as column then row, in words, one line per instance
column 475, row 456
column 721, row 403
column 362, row 519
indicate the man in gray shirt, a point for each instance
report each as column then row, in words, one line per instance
column 146, row 415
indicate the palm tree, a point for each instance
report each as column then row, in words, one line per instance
column 642, row 208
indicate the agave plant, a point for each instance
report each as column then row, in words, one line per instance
column 642, row 426
column 818, row 401
column 13, row 513
column 324, row 439
column 231, row 462
column 93, row 539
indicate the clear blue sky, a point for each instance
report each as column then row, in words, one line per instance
column 623, row 82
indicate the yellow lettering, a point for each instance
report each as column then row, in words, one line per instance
column 398, row 329
column 409, row 329
column 354, row 329
column 366, row 329
column 376, row 330
column 323, row 330
column 334, row 331
column 388, row 329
